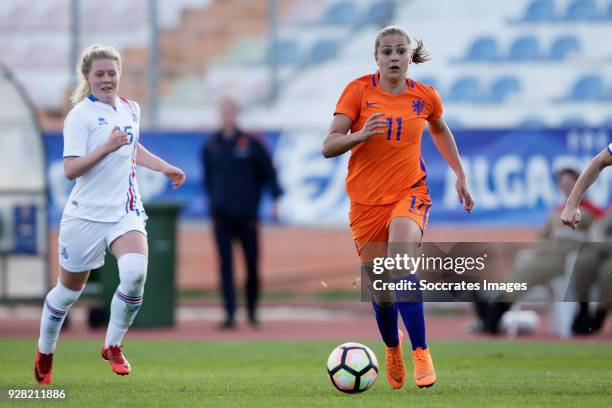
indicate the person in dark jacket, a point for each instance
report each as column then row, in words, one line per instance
column 236, row 169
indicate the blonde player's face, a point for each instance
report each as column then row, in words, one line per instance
column 393, row 57
column 103, row 79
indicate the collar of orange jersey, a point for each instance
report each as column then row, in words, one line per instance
column 376, row 80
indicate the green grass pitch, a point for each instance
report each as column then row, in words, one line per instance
column 292, row 374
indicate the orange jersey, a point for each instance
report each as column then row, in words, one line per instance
column 383, row 169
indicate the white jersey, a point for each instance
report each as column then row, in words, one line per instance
column 109, row 190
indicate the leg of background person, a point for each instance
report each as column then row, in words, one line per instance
column 584, row 277
column 546, row 262
column 223, row 238
column 404, row 237
column 131, row 251
column 249, row 239
column 589, row 257
column 57, row 303
column 604, row 283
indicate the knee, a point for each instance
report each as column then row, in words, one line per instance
column 133, row 269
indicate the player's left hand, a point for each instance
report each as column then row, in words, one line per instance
column 176, row 175
column 464, row 195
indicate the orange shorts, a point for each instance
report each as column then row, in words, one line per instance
column 370, row 223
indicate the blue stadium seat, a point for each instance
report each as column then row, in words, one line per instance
column 588, row 88
column 323, row 50
column 581, row 10
column 288, row 52
column 465, row 89
column 503, row 87
column 540, row 10
column 483, row 49
column 343, row 13
column 564, row 46
column 574, row 122
column 524, row 49
column 379, row 13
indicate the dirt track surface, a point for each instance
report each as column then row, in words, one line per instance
column 341, row 321
column 295, row 259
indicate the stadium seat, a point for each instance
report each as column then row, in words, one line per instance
column 608, row 14
column 379, row 13
column 465, row 89
column 323, row 50
column 343, row 13
column 562, row 47
column 588, row 87
column 581, row 10
column 288, row 52
column 524, row 49
column 540, row 10
column 503, row 87
column 483, row 49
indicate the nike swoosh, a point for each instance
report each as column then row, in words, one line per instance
column 371, row 103
column 38, row 377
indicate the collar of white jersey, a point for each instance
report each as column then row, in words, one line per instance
column 92, row 98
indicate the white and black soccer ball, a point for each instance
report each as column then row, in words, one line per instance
column 352, row 368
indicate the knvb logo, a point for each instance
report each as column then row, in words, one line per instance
column 418, row 106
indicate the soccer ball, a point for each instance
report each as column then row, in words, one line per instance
column 352, row 368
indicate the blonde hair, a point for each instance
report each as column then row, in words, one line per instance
column 91, row 53
column 420, row 54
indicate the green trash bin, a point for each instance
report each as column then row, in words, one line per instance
column 159, row 296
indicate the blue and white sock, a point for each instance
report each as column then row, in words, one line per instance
column 128, row 297
column 57, row 303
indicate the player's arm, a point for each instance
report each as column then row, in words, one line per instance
column 147, row 159
column 77, row 166
column 339, row 141
column 571, row 214
column 445, row 143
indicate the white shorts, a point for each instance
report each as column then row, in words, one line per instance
column 82, row 243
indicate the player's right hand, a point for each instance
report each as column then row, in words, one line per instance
column 570, row 216
column 117, row 139
column 373, row 126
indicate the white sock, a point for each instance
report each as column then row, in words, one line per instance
column 127, row 298
column 57, row 303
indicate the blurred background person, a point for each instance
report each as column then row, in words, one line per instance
column 237, row 167
column 545, row 261
column 594, row 263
